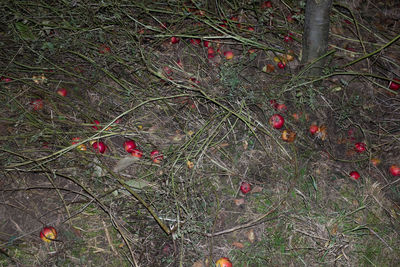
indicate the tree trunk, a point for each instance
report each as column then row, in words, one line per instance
column 316, row 33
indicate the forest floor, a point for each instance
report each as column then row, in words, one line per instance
column 197, row 83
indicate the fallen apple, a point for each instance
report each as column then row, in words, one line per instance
column 99, row 146
column 104, row 49
column 137, row 153
column 394, row 85
column 245, row 187
column 375, row 161
column 62, row 92
column 195, row 41
column 156, row 156
column 228, row 54
column 5, row 79
column 266, row 4
column 281, row 107
column 281, row 65
column 223, row 262
column 129, row 146
column 355, row 175
column 37, row 104
column 206, row 43
column 288, row 136
column 96, row 122
column 48, row 234
column 276, row 121
column 360, row 147
column 394, row 170
column 81, row 147
column 174, row 40
column 313, row 129
column 288, row 39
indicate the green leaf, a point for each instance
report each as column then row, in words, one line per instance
column 25, row 31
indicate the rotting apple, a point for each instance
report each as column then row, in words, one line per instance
column 129, row 146
column 48, row 234
column 394, row 170
column 62, row 92
column 99, row 146
column 355, row 175
column 223, row 262
column 245, row 187
column 360, row 147
column 137, row 153
column 156, row 156
column 81, row 147
column 288, row 136
column 276, row 121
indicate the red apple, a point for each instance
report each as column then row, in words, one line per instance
column 281, row 107
column 276, row 121
column 266, row 4
column 129, row 146
column 360, row 147
column 206, row 43
column 62, row 92
column 99, row 146
column 137, row 153
column 96, row 122
column 37, row 104
column 174, row 40
column 314, row 129
column 281, row 65
column 228, row 54
column 5, row 79
column 394, row 85
column 287, row 39
column 245, row 187
column 394, row 170
column 104, row 49
column 156, row 156
column 48, row 234
column 195, row 41
column 224, row 261
column 355, row 175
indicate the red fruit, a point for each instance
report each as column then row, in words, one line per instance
column 273, row 103
column 206, row 43
column 223, row 262
column 37, row 104
column 156, row 156
column 394, row 170
column 174, row 40
column 210, row 56
column 314, row 129
column 355, row 175
column 360, row 147
column 287, row 39
column 104, row 49
column 99, row 147
column 276, row 121
column 266, row 4
column 281, row 107
column 228, row 54
column 394, row 85
column 289, row 18
column 137, row 153
column 195, row 41
column 62, row 92
column 96, row 122
column 5, row 79
column 281, row 65
column 245, row 187
column 250, row 29
column 48, row 234
column 129, row 146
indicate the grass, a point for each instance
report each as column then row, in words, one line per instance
column 209, row 119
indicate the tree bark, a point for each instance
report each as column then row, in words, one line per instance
column 316, row 34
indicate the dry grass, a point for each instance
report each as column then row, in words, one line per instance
column 209, row 118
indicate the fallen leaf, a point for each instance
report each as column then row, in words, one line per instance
column 239, row 201
column 190, row 164
column 238, row 245
column 251, row 236
column 256, row 189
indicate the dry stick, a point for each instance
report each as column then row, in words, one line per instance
column 246, row 225
column 372, row 53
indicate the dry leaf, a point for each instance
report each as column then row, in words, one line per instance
column 190, row 164
column 238, row 245
column 251, row 236
column 239, row 201
column 198, row 263
column 124, row 163
column 256, row 189
column 245, row 145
